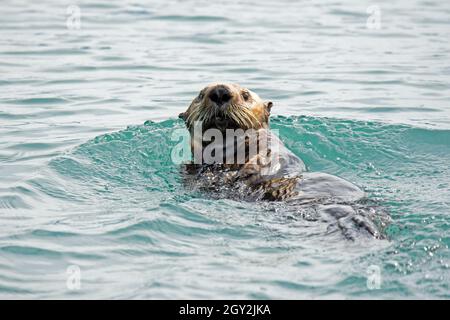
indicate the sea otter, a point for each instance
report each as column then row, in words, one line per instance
column 236, row 155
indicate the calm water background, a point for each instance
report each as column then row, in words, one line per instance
column 85, row 182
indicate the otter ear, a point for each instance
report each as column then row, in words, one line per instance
column 268, row 105
column 183, row 116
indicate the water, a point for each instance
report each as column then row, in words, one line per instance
column 87, row 181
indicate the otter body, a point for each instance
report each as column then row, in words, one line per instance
column 267, row 171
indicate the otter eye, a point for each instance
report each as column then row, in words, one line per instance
column 245, row 95
column 201, row 95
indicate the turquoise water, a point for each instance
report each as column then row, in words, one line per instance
column 86, row 177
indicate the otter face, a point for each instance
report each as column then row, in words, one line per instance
column 227, row 106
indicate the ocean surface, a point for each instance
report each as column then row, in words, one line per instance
column 92, row 205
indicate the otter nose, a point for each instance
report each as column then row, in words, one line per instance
column 220, row 95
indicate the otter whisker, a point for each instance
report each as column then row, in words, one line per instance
column 244, row 117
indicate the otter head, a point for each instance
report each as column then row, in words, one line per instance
column 227, row 106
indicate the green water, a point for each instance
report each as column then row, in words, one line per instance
column 86, row 175
column 121, row 213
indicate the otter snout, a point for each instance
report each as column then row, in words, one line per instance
column 220, row 95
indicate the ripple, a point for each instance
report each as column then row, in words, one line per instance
column 13, row 202
column 38, row 101
column 78, row 187
column 25, row 250
column 197, row 18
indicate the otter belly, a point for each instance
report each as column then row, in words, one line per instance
column 338, row 202
column 317, row 185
